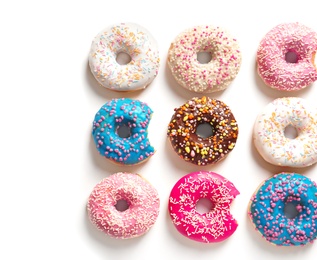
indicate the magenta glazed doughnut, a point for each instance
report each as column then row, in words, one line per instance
column 142, row 205
column 213, row 226
column 285, row 57
column 212, row 76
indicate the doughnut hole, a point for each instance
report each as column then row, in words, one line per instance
column 124, row 131
column 290, row 132
column 123, row 58
column 204, row 205
column 204, row 57
column 291, row 56
column 204, row 130
column 292, row 210
column 121, row 205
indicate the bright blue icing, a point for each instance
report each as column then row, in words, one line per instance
column 267, row 209
column 128, row 112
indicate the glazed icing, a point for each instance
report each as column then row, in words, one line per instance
column 275, row 71
column 269, row 137
column 267, row 209
column 129, row 38
column 215, row 75
column 141, row 197
column 128, row 112
column 189, row 145
column 213, row 226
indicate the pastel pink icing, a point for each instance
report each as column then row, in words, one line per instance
column 273, row 68
column 141, row 197
column 213, row 226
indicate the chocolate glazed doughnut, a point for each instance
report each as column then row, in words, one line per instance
column 190, row 145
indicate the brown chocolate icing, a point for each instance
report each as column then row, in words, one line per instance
column 194, row 148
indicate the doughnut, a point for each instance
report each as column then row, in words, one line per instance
column 269, row 137
column 142, row 205
column 197, row 149
column 213, row 226
column 267, row 209
column 209, row 77
column 138, row 44
column 124, row 112
column 285, row 57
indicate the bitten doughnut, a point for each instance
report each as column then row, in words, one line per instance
column 286, row 55
column 133, row 40
column 215, row 75
column 140, row 196
column 269, row 137
column 213, row 226
column 267, row 209
column 124, row 112
column 203, row 150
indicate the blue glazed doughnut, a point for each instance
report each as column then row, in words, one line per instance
column 132, row 114
column 267, row 209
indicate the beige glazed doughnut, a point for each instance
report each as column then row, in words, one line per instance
column 215, row 75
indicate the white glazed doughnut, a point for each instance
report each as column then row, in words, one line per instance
column 270, row 139
column 133, row 40
column 215, row 75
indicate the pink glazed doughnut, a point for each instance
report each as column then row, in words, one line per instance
column 213, row 226
column 285, row 57
column 142, row 205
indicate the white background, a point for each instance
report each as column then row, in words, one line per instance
column 48, row 99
